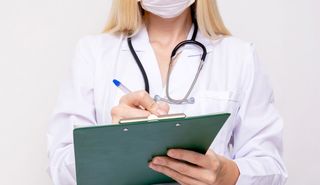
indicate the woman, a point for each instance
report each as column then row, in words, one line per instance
column 248, row 148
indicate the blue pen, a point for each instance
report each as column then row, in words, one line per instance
column 121, row 86
column 124, row 89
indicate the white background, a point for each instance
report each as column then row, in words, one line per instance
column 37, row 38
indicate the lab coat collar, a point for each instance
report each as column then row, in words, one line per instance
column 141, row 41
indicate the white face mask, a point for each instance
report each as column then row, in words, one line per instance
column 166, row 8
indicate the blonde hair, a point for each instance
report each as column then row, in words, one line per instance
column 127, row 17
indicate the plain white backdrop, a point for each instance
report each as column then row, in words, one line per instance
column 37, row 39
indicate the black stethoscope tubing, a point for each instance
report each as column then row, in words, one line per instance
column 143, row 72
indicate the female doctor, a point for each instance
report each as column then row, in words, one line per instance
column 175, row 56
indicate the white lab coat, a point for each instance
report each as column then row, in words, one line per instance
column 231, row 81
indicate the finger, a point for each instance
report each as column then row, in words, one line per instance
column 174, row 175
column 181, row 183
column 124, row 111
column 141, row 98
column 189, row 156
column 183, row 168
column 116, row 119
column 129, row 112
column 164, row 106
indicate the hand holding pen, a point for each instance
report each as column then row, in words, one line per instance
column 136, row 104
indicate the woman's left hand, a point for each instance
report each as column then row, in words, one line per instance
column 191, row 168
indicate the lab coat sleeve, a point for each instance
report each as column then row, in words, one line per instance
column 258, row 131
column 75, row 107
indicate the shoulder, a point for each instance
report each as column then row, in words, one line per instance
column 99, row 41
column 237, row 56
column 92, row 47
column 236, row 52
column 235, row 46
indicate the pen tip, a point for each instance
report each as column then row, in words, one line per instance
column 116, row 82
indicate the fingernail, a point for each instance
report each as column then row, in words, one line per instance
column 161, row 112
column 170, row 153
column 156, row 161
column 151, row 165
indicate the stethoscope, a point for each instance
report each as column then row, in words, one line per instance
column 169, row 99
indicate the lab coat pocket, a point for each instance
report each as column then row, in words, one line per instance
column 212, row 102
column 218, row 101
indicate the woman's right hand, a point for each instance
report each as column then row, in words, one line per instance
column 130, row 106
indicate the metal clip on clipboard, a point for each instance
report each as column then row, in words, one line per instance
column 153, row 118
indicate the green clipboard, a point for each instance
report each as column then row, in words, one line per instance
column 119, row 154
